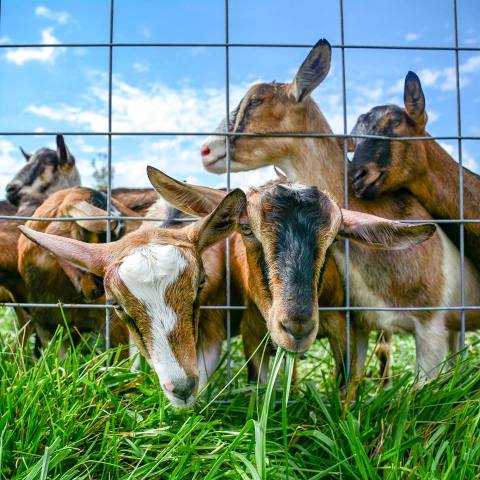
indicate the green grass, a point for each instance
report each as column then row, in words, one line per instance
column 80, row 418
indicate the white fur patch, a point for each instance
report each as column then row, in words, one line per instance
column 147, row 273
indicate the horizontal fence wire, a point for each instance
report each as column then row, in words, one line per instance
column 244, row 134
column 243, row 307
column 237, row 45
column 226, row 45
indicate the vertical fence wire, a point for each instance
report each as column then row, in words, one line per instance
column 227, row 151
column 345, row 191
column 109, row 158
column 460, row 178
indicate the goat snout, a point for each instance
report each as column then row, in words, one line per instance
column 12, row 190
column 298, row 328
column 205, row 151
column 183, row 389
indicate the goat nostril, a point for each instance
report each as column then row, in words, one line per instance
column 205, row 151
column 184, row 390
column 169, row 387
column 298, row 332
column 359, row 174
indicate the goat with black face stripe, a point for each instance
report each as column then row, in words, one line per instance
column 281, row 253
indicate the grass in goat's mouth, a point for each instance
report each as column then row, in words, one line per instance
column 81, row 419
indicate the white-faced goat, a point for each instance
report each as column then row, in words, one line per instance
column 154, row 277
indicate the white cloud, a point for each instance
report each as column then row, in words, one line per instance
column 11, row 160
column 411, row 36
column 141, row 67
column 19, row 56
column 445, row 78
column 60, row 17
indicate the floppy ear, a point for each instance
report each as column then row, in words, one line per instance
column 85, row 209
column 414, row 99
column 221, row 222
column 313, row 70
column 192, row 199
column 25, row 154
column 91, row 257
column 66, row 158
column 377, row 232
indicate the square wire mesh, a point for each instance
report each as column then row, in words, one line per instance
column 226, row 45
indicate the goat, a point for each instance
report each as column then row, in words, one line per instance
column 154, row 278
column 421, row 166
column 48, row 171
column 48, row 280
column 45, row 172
column 421, row 276
column 282, row 254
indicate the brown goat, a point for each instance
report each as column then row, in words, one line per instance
column 49, row 280
column 421, row 166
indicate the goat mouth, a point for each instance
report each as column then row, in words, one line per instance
column 370, row 190
column 209, row 163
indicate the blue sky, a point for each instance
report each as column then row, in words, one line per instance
column 183, row 89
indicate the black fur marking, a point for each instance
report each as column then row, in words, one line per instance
column 297, row 216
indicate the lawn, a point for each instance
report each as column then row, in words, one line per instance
column 84, row 418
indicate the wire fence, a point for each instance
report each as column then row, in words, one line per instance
column 226, row 46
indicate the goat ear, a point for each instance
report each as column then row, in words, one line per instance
column 377, row 232
column 191, row 199
column 25, row 154
column 90, row 257
column 414, row 99
column 85, row 209
column 221, row 222
column 313, row 70
column 66, row 158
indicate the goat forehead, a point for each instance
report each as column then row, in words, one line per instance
column 368, row 121
column 298, row 217
column 152, row 265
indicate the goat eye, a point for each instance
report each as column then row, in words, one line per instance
column 396, row 123
column 246, row 230
column 254, row 101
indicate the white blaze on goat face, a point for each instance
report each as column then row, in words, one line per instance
column 147, row 273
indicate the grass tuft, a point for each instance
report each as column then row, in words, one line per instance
column 88, row 416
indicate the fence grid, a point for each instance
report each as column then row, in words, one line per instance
column 227, row 45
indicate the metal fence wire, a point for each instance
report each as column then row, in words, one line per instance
column 226, row 45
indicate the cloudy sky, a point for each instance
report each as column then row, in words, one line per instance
column 183, row 89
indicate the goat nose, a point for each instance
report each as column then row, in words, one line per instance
column 298, row 329
column 185, row 389
column 13, row 187
column 205, row 151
